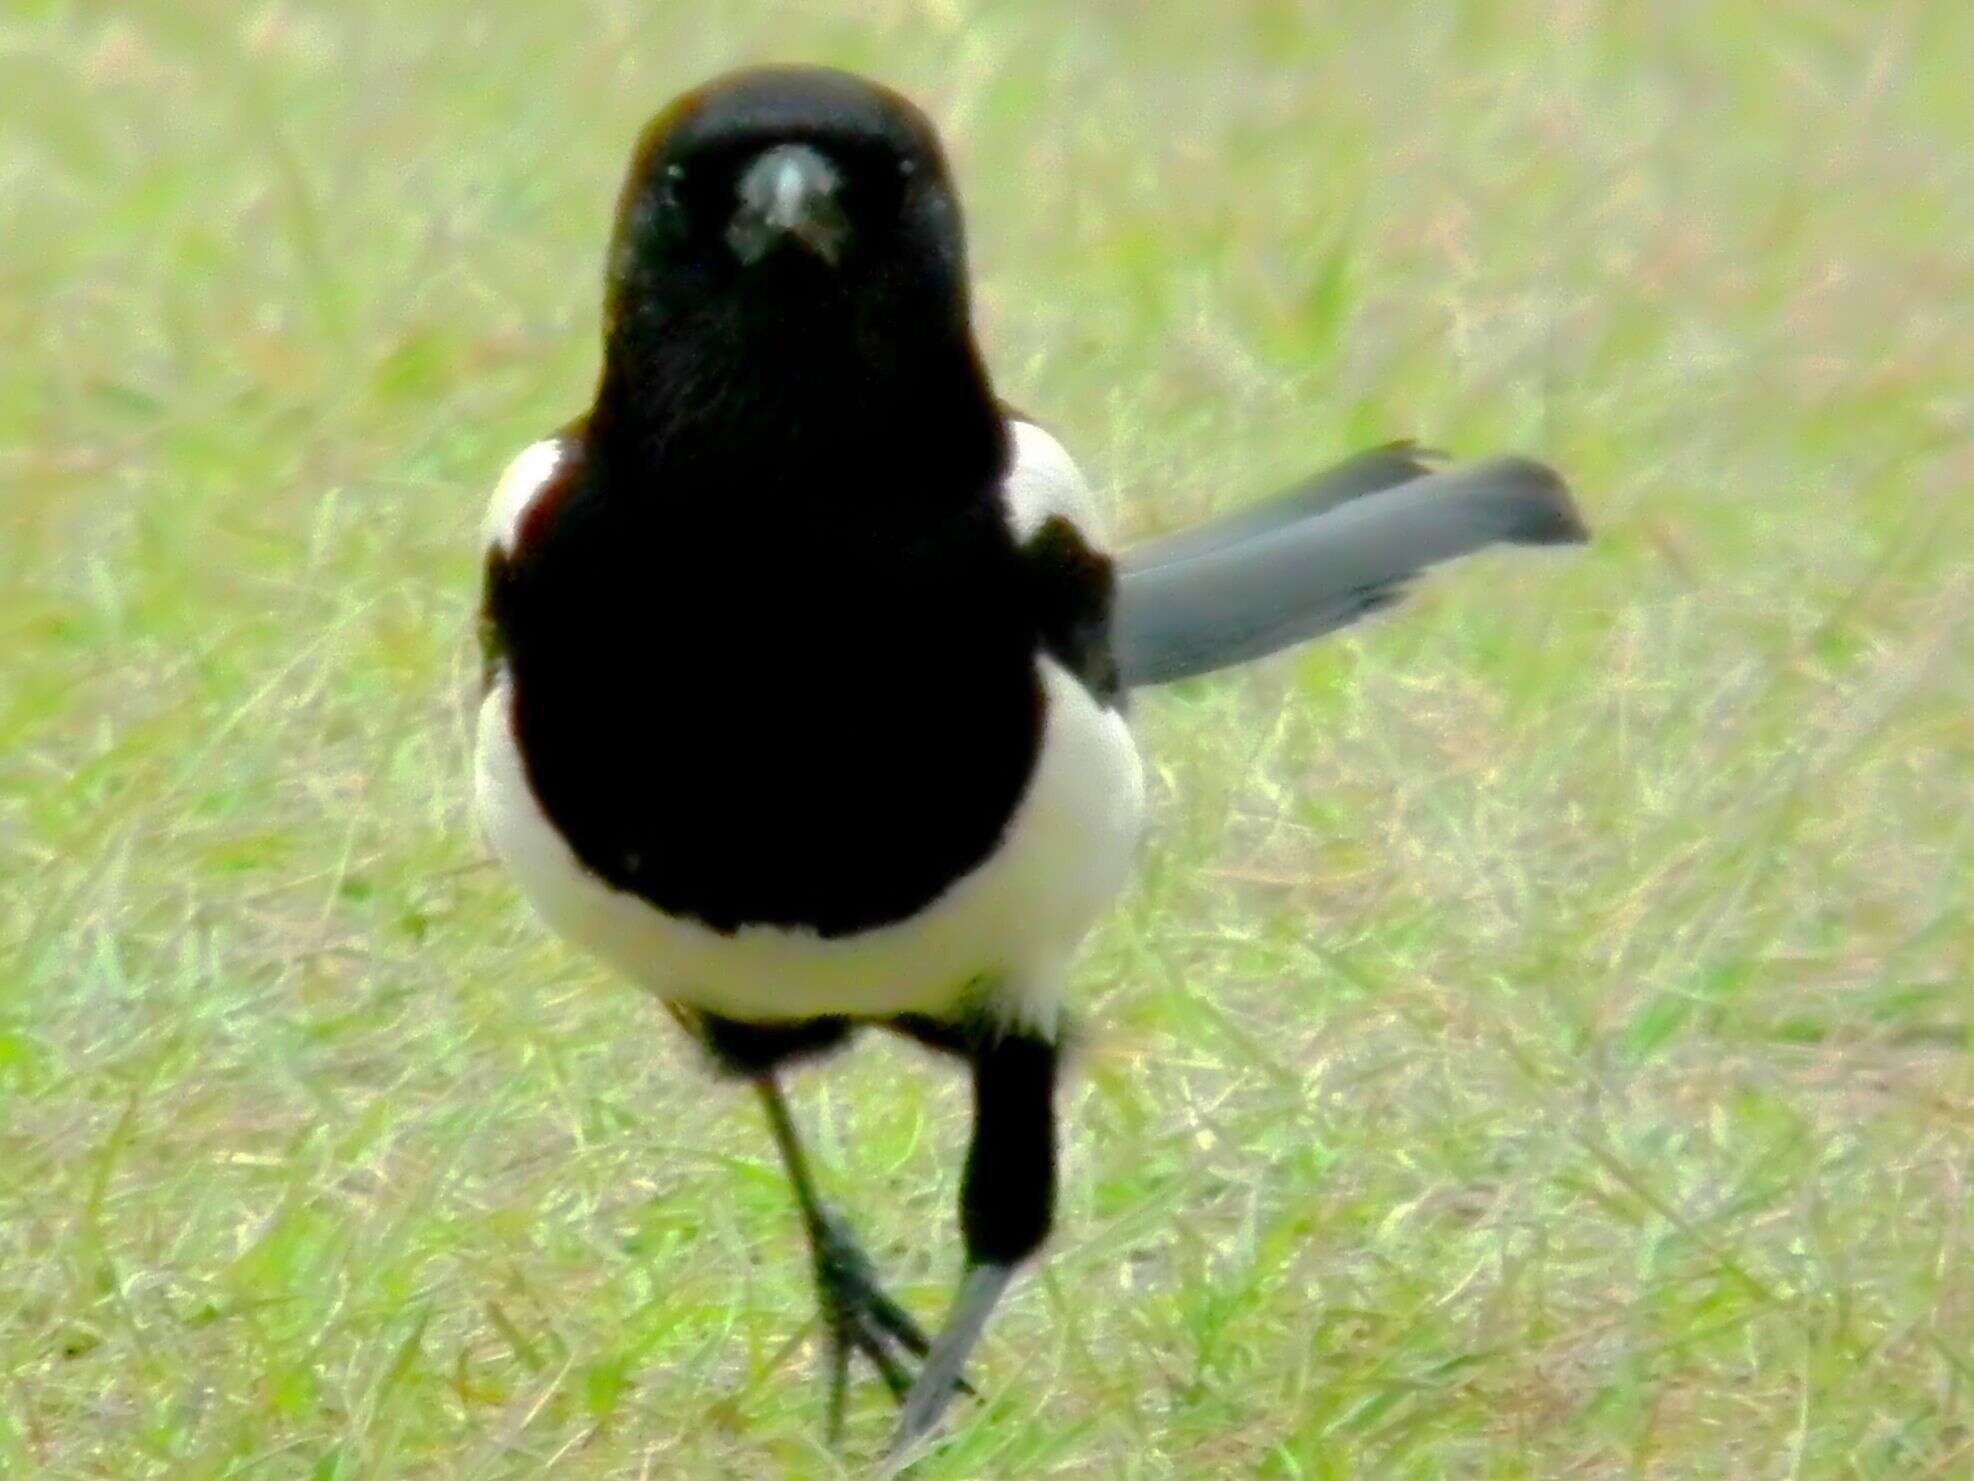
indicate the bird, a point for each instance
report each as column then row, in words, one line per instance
column 809, row 662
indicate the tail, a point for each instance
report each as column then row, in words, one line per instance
column 1321, row 556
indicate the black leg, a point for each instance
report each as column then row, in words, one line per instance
column 1007, row 1200
column 857, row 1313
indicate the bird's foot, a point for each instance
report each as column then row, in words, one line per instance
column 860, row 1316
column 979, row 1293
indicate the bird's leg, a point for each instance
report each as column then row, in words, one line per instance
column 857, row 1314
column 1007, row 1199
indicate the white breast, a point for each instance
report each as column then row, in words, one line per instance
column 1010, row 926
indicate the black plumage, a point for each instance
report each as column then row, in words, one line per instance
column 793, row 652
column 774, row 614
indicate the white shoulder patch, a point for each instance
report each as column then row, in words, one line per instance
column 1042, row 482
column 525, row 477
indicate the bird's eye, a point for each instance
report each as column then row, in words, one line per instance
column 672, row 187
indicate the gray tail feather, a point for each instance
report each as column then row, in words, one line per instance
column 1367, row 473
column 1321, row 556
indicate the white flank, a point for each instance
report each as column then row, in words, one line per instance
column 1008, row 929
column 1011, row 925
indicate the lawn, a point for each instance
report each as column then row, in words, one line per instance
column 1537, row 1044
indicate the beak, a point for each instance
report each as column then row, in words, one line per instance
column 789, row 193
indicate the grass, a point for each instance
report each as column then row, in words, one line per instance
column 1537, row 1045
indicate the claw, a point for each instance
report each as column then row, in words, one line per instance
column 860, row 1316
column 857, row 1314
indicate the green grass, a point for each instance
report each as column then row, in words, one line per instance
column 1537, row 1045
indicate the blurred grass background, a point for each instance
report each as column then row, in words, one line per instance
column 1538, row 1044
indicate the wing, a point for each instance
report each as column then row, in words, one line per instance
column 1072, row 578
column 1305, row 564
column 1044, row 483
column 526, row 495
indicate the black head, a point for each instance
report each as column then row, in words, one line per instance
column 787, row 203
column 787, row 279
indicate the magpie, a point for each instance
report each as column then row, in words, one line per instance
column 807, row 660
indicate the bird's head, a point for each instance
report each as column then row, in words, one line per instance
column 784, row 202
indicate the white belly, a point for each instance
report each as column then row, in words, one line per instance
column 1008, row 929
